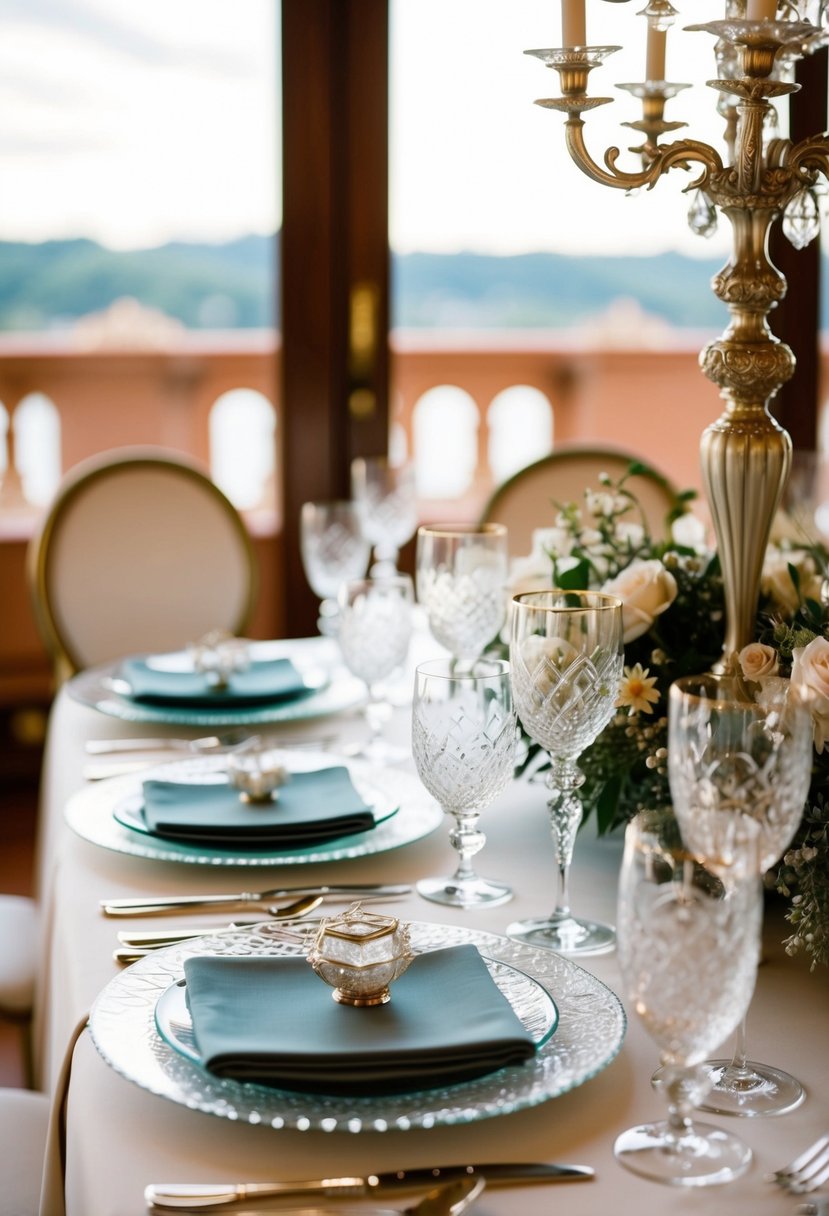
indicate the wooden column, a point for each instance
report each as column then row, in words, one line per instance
column 334, row 259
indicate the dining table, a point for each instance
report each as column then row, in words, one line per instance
column 117, row 1136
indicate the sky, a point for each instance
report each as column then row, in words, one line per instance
column 139, row 123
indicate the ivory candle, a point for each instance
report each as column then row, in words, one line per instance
column 655, row 60
column 573, row 24
column 761, row 10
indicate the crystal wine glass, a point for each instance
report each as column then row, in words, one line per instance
column 566, row 657
column 375, row 627
column 730, row 756
column 334, row 550
column 688, row 944
column 463, row 740
column 461, row 582
column 386, row 498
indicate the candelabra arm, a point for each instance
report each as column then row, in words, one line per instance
column 809, row 158
column 665, row 158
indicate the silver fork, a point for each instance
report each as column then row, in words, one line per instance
column 808, row 1171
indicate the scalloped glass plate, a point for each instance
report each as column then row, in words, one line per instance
column 531, row 1003
column 335, row 690
column 589, row 1034
column 91, row 813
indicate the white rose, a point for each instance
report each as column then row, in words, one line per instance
column 555, row 541
column 689, row 532
column 776, row 580
column 629, row 533
column 757, row 660
column 646, row 589
column 810, row 669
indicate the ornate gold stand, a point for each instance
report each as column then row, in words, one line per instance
column 745, row 454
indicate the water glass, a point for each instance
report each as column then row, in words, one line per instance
column 463, row 740
column 375, row 627
column 386, row 499
column 688, row 942
column 334, row 550
column 740, row 752
column 461, row 582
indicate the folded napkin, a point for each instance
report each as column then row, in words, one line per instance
column 263, row 681
column 273, row 1021
column 312, row 808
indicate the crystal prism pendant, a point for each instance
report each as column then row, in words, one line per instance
column 702, row 214
column 801, row 219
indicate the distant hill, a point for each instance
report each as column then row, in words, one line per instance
column 231, row 286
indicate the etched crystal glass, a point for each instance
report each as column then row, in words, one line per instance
column 730, row 758
column 386, row 499
column 461, row 582
column 375, row 627
column 463, row 740
column 334, row 551
column 566, row 657
column 688, row 943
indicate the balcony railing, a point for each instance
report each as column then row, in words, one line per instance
column 492, row 401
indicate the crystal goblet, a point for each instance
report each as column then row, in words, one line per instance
column 461, row 582
column 463, row 740
column 334, row 550
column 566, row 656
column 386, row 499
column 688, row 942
column 375, row 627
column 731, row 757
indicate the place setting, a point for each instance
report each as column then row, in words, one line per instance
column 255, row 807
column 223, row 681
column 356, row 1022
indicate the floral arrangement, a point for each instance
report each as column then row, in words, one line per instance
column 673, row 610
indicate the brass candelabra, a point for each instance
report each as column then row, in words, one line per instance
column 745, row 454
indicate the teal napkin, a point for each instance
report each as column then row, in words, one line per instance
column 263, row 681
column 274, row 1021
column 312, row 808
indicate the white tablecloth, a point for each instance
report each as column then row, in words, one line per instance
column 120, row 1137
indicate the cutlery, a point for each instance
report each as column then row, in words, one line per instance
column 192, row 1195
column 244, row 899
column 817, row 1206
column 449, row 1200
column 208, row 743
column 808, row 1171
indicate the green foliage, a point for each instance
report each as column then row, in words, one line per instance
column 626, row 767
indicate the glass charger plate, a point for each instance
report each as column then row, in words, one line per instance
column 91, row 814
column 338, row 691
column 531, row 1002
column 590, row 1031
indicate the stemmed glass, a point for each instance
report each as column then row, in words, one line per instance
column 731, row 757
column 566, row 657
column 688, row 946
column 375, row 627
column 386, row 498
column 334, row 550
column 463, row 740
column 461, row 582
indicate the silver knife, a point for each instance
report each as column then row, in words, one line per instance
column 149, row 906
column 192, row 1195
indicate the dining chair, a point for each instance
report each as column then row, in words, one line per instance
column 19, row 933
column 24, row 1123
column 526, row 501
column 139, row 551
column 19, row 952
